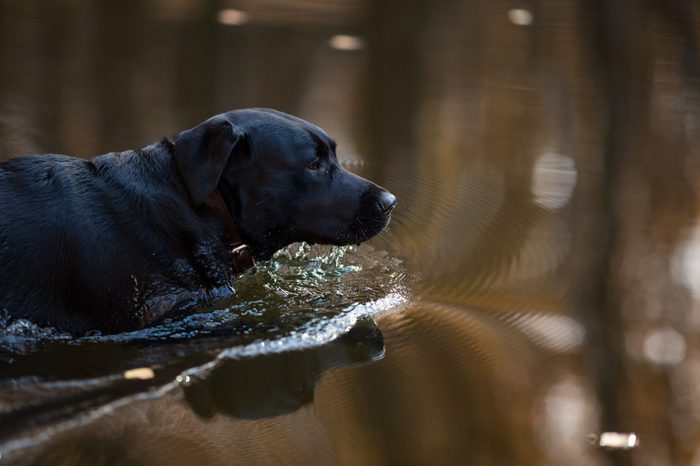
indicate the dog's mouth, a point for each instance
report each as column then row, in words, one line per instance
column 372, row 217
column 363, row 230
column 367, row 224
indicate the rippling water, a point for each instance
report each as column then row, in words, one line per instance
column 534, row 300
column 309, row 306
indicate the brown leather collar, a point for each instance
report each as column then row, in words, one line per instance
column 241, row 253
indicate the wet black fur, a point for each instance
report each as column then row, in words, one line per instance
column 126, row 239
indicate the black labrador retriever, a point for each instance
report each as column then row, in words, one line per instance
column 127, row 239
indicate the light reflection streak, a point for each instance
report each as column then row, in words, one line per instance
column 520, row 17
column 554, row 332
column 231, row 17
column 665, row 347
column 346, row 42
column 553, row 180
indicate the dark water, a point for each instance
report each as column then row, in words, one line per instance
column 539, row 284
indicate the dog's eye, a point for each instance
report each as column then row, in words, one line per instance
column 315, row 165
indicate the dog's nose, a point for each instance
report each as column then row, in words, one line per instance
column 386, row 202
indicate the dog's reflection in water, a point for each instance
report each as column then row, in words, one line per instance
column 277, row 383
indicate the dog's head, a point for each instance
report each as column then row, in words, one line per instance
column 280, row 179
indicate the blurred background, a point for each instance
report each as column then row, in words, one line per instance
column 545, row 158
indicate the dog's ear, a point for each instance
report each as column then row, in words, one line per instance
column 201, row 154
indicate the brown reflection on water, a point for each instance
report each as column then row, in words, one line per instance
column 546, row 175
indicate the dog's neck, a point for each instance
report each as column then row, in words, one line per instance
column 241, row 253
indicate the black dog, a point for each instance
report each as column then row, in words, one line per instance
column 127, row 239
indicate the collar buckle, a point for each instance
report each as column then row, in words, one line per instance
column 242, row 258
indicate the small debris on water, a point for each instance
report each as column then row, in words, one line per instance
column 140, row 373
column 618, row 440
column 183, row 379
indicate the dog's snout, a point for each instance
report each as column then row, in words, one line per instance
column 386, row 202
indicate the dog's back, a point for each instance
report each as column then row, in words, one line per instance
column 80, row 239
column 47, row 224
